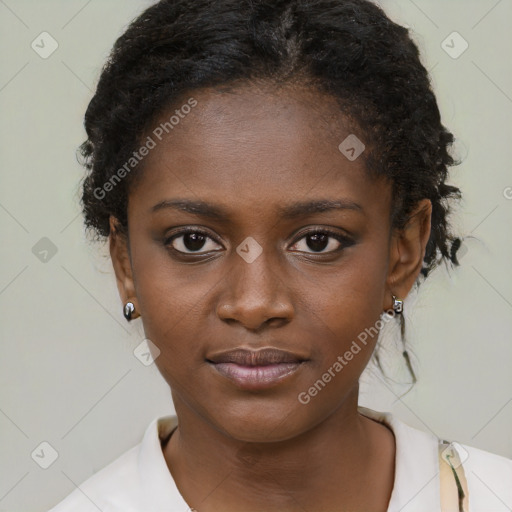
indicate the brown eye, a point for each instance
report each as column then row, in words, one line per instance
column 322, row 242
column 192, row 241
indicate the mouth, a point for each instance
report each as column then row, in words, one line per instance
column 256, row 369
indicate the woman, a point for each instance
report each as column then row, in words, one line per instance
column 271, row 177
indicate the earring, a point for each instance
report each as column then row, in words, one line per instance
column 398, row 305
column 128, row 311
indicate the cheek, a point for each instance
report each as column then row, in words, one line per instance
column 346, row 314
column 171, row 303
column 167, row 292
column 351, row 300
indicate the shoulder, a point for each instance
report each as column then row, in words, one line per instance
column 112, row 487
column 489, row 478
column 137, row 480
column 417, row 483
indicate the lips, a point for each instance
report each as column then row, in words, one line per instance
column 260, row 357
column 256, row 369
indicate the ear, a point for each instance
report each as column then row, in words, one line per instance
column 119, row 252
column 407, row 250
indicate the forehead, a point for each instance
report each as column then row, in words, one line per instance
column 257, row 145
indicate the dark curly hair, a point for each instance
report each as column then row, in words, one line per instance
column 349, row 49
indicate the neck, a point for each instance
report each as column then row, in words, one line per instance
column 331, row 466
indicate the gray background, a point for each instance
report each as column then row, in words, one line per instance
column 68, row 375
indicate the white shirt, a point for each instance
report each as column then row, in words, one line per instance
column 140, row 481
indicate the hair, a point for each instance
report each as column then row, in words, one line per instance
column 348, row 49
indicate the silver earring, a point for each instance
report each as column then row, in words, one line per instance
column 398, row 305
column 128, row 310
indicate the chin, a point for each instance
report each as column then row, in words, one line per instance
column 256, row 422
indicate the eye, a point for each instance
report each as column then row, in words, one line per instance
column 318, row 240
column 191, row 241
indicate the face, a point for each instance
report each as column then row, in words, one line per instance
column 227, row 258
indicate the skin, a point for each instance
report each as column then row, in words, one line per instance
column 253, row 151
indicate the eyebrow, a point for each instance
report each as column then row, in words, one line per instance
column 297, row 209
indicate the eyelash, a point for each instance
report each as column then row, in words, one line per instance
column 344, row 240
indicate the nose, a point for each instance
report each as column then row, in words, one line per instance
column 255, row 295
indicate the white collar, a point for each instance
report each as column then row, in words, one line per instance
column 159, row 489
column 416, row 483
